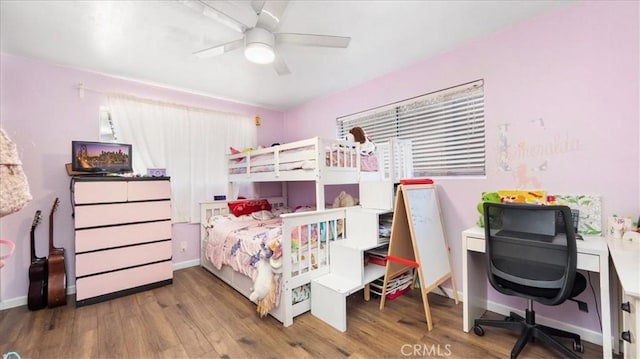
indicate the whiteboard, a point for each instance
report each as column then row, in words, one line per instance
column 426, row 227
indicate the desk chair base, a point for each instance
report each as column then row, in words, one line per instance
column 530, row 331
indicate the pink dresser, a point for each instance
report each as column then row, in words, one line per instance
column 122, row 236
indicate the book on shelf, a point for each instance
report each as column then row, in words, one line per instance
column 378, row 255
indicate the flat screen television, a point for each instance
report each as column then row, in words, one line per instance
column 101, row 157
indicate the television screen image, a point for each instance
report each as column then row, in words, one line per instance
column 101, row 157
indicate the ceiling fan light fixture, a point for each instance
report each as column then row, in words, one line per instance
column 259, row 53
column 258, row 46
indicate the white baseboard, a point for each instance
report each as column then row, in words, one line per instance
column 20, row 301
column 13, row 302
column 585, row 334
column 186, row 264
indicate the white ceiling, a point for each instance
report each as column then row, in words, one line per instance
column 153, row 41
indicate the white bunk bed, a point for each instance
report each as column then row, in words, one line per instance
column 326, row 162
column 305, row 238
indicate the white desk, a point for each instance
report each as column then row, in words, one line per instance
column 593, row 256
column 625, row 256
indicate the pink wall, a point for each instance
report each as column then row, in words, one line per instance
column 42, row 112
column 576, row 69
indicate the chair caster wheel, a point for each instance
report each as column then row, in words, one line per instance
column 578, row 347
column 478, row 330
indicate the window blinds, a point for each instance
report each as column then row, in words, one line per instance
column 446, row 128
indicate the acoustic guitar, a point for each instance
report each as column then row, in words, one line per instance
column 38, row 271
column 57, row 286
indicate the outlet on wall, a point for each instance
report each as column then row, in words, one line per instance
column 183, row 246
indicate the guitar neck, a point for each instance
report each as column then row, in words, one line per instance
column 51, row 247
column 33, row 244
column 53, row 210
column 36, row 221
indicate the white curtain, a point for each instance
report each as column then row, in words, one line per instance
column 190, row 143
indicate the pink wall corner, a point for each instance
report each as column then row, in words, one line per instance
column 576, row 69
column 42, row 112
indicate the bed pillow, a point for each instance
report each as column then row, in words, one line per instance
column 235, row 152
column 262, row 215
column 239, row 208
column 281, row 210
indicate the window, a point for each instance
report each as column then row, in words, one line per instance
column 190, row 143
column 107, row 133
column 446, row 129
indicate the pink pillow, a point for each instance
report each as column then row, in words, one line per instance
column 235, row 152
column 239, row 208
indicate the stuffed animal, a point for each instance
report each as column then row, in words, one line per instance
column 274, row 247
column 269, row 301
column 343, row 199
column 357, row 134
column 276, row 264
column 262, row 284
column 486, row 197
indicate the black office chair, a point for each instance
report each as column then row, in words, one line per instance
column 527, row 256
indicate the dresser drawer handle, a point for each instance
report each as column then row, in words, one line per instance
column 626, row 336
column 626, row 306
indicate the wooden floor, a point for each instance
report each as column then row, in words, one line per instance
column 198, row 316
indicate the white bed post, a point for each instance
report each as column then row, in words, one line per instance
column 288, row 305
column 319, row 196
column 286, row 296
column 232, row 191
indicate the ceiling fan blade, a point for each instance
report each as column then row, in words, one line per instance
column 271, row 13
column 312, row 40
column 280, row 66
column 257, row 5
column 237, row 16
column 219, row 49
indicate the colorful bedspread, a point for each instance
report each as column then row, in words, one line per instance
column 240, row 243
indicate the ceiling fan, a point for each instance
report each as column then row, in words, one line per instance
column 257, row 21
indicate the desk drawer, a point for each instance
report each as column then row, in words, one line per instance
column 590, row 262
column 475, row 244
column 630, row 322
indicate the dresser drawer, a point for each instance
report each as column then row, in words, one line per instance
column 93, row 286
column 109, row 237
column 148, row 190
column 100, row 192
column 113, row 259
column 121, row 213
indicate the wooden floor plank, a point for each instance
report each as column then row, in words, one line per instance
column 199, row 316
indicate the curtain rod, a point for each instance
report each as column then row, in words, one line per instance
column 82, row 88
